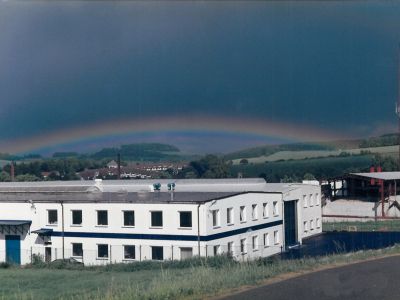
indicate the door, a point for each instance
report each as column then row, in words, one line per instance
column 290, row 223
column 13, row 249
column 47, row 254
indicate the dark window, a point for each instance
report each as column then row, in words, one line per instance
column 76, row 217
column 102, row 217
column 156, row 219
column 157, row 253
column 102, row 250
column 129, row 218
column 52, row 216
column 77, row 249
column 129, row 252
column 186, row 218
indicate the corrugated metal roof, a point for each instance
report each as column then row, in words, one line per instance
column 380, row 175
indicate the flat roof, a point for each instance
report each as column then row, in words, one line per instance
column 137, row 191
column 379, row 175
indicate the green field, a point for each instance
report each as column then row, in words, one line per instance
column 296, row 155
column 388, row 225
column 319, row 167
column 193, row 279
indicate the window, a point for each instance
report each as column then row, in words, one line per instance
column 229, row 215
column 230, row 248
column 216, row 250
column 312, row 224
column 129, row 218
column 52, row 216
column 242, row 216
column 102, row 251
column 129, row 252
column 318, row 223
column 311, row 200
column 215, row 218
column 254, row 243
column 76, row 217
column 276, row 210
column 185, row 219
column 156, row 219
column 157, row 253
column 254, row 212
column 77, row 249
column 305, row 225
column 266, row 239
column 186, row 252
column 265, row 210
column 102, row 217
column 276, row 237
column 243, row 246
column 317, row 199
column 305, row 202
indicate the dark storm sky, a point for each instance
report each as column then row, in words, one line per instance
column 331, row 65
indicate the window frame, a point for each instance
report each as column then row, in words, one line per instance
column 266, row 240
column 265, row 210
column 254, row 242
column 134, row 252
column 180, row 219
column 230, row 216
column 98, row 252
column 216, row 220
column 72, row 217
column 254, row 212
column 276, row 237
column 152, row 253
column 242, row 214
column 243, row 246
column 123, row 218
column 151, row 219
column 72, row 246
column 275, row 208
column 48, row 217
column 98, row 219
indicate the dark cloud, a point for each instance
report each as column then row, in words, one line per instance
column 326, row 64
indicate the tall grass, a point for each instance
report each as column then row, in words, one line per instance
column 193, row 279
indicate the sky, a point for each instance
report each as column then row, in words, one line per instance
column 206, row 76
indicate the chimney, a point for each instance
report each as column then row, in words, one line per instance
column 12, row 171
column 119, row 166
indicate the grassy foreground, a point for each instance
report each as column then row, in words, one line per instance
column 386, row 225
column 193, row 279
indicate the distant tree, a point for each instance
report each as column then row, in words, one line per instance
column 4, row 176
column 27, row 177
column 211, row 166
column 309, row 176
column 244, row 161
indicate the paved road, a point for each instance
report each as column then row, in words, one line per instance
column 377, row 279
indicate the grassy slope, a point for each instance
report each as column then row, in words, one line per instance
column 321, row 167
column 285, row 155
column 192, row 282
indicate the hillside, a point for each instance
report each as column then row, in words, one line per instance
column 385, row 144
column 141, row 152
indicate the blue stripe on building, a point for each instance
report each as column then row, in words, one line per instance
column 165, row 237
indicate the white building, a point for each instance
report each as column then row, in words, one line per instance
column 100, row 222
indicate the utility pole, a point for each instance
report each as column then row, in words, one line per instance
column 398, row 103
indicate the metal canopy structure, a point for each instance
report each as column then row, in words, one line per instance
column 14, row 226
column 43, row 231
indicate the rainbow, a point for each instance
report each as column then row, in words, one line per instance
column 169, row 124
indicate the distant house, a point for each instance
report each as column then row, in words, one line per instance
column 112, row 165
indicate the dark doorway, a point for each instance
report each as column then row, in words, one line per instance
column 290, row 221
column 47, row 254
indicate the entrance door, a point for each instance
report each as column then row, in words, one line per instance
column 290, row 223
column 47, row 254
column 13, row 249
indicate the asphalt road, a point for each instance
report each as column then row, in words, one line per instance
column 377, row 279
